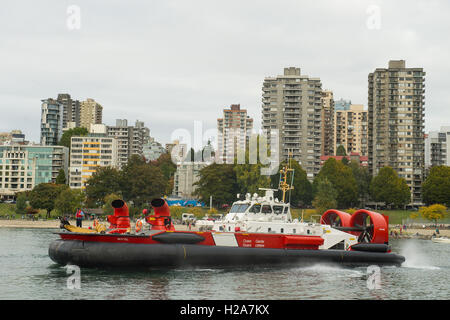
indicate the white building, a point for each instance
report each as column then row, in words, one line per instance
column 186, row 175
column 437, row 148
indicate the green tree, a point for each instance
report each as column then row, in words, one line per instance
column 61, row 177
column 436, row 187
column 340, row 151
column 21, row 203
column 363, row 180
column 248, row 176
column 142, row 181
column 434, row 212
column 104, row 181
column 69, row 200
column 44, row 194
column 176, row 211
column 342, row 179
column 75, row 132
column 218, row 181
column 168, row 168
column 325, row 197
column 165, row 164
column 389, row 188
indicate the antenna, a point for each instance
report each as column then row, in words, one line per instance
column 283, row 184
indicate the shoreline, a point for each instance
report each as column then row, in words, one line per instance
column 410, row 233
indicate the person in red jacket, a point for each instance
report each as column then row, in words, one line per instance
column 79, row 217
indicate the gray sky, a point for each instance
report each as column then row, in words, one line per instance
column 169, row 63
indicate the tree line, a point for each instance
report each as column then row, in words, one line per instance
column 339, row 184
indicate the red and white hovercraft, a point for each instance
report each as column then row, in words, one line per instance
column 256, row 231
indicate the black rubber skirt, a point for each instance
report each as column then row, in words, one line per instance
column 104, row 254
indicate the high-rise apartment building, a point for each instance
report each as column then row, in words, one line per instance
column 396, row 123
column 350, row 129
column 90, row 113
column 152, row 150
column 13, row 137
column 292, row 105
column 342, row 104
column 437, row 148
column 51, row 122
column 327, row 115
column 22, row 167
column 71, row 111
column 234, row 130
column 130, row 139
column 87, row 154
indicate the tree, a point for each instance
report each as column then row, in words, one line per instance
column 249, row 178
column 389, row 188
column 44, row 194
column 176, row 211
column 340, row 151
column 363, row 179
column 342, row 179
column 436, row 187
column 168, row 168
column 325, row 197
column 164, row 162
column 61, row 177
column 302, row 194
column 74, row 132
column 69, row 200
column 219, row 181
column 434, row 212
column 21, row 203
column 196, row 211
column 142, row 181
column 104, row 181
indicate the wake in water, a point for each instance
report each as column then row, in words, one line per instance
column 415, row 257
column 335, row 270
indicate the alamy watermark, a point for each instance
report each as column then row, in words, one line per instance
column 374, row 277
column 73, row 21
column 74, row 280
column 230, row 146
column 373, row 21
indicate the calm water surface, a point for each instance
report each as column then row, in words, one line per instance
column 26, row 272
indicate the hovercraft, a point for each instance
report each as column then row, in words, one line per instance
column 256, row 231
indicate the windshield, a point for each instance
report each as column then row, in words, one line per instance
column 238, row 208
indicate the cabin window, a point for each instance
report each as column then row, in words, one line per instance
column 286, row 209
column 229, row 228
column 278, row 209
column 281, row 230
column 238, row 208
column 269, row 229
column 255, row 208
column 294, row 231
column 266, row 209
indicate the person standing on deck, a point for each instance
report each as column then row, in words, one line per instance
column 79, row 217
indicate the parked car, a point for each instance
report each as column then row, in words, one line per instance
column 187, row 218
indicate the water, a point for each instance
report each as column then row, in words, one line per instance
column 26, row 272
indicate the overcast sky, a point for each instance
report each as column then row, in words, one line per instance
column 170, row 63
